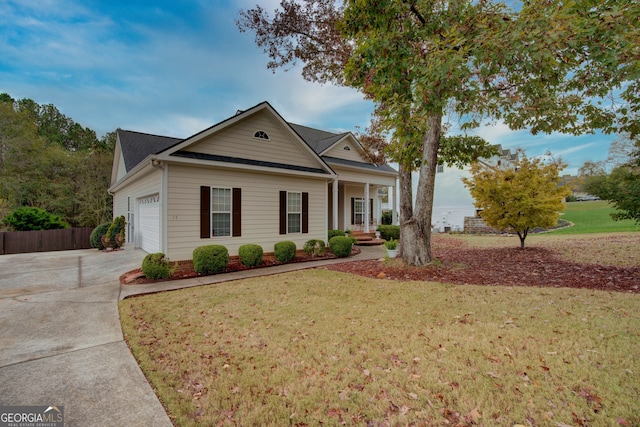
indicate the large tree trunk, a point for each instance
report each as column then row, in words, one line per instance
column 415, row 230
column 406, row 199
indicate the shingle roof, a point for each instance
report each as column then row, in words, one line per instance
column 318, row 140
column 136, row 146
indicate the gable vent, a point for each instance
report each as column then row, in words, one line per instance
column 261, row 135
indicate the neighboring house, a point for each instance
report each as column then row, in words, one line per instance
column 452, row 201
column 252, row 178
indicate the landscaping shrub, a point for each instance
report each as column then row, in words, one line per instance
column 210, row 259
column 250, row 255
column 96, row 235
column 388, row 232
column 27, row 219
column 114, row 237
column 391, row 244
column 314, row 247
column 156, row 266
column 387, row 217
column 284, row 251
column 340, row 246
column 334, row 233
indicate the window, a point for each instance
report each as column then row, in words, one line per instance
column 440, row 169
column 294, row 212
column 221, row 212
column 261, row 135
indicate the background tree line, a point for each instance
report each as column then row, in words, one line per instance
column 50, row 162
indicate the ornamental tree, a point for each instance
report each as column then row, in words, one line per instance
column 518, row 199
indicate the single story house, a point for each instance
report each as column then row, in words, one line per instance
column 252, row 178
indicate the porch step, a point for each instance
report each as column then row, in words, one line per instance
column 366, row 239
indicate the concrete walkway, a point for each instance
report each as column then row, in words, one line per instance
column 60, row 337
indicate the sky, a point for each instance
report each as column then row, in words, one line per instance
column 177, row 67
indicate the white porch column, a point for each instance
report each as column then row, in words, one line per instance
column 394, row 204
column 367, row 208
column 335, row 205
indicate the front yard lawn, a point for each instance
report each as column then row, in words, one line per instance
column 321, row 347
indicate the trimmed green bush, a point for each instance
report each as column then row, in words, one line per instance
column 30, row 218
column 156, row 266
column 314, row 247
column 250, row 255
column 96, row 235
column 387, row 218
column 388, row 232
column 114, row 237
column 210, row 259
column 334, row 233
column 340, row 246
column 284, row 251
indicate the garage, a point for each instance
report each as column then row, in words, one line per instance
column 149, row 223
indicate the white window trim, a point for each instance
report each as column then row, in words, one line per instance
column 230, row 212
column 299, row 193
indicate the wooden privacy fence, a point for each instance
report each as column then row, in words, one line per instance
column 18, row 242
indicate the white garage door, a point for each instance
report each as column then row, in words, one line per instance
column 149, row 224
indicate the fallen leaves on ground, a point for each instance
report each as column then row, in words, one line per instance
column 533, row 266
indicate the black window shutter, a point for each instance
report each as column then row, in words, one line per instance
column 205, row 212
column 305, row 212
column 353, row 210
column 237, row 212
column 371, row 211
column 283, row 212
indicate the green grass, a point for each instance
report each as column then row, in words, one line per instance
column 593, row 217
column 324, row 348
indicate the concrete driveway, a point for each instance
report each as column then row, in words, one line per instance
column 61, row 342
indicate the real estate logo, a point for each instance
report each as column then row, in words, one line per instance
column 31, row 416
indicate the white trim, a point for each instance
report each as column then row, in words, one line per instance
column 299, row 212
column 367, row 208
column 230, row 212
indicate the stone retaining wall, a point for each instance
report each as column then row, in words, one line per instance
column 476, row 225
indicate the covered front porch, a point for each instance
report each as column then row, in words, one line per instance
column 358, row 206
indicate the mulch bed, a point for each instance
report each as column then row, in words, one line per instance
column 532, row 266
column 538, row 267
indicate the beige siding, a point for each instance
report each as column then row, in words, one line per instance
column 121, row 168
column 238, row 141
column 146, row 184
column 260, row 208
column 338, row 150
